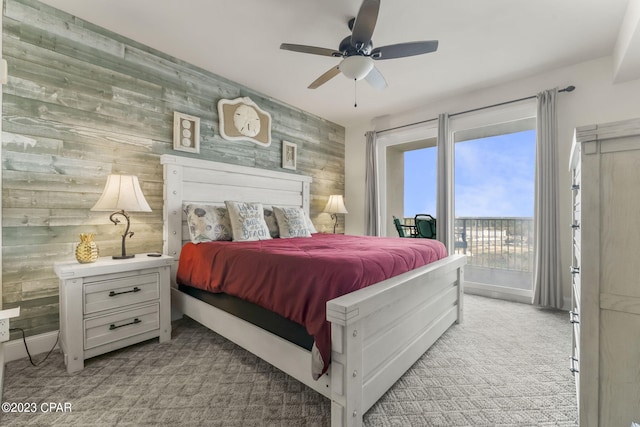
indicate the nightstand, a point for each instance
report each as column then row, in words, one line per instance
column 112, row 304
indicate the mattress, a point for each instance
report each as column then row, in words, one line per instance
column 296, row 277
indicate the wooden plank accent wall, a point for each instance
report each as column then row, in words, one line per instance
column 81, row 103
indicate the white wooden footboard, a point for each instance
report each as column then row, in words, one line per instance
column 378, row 332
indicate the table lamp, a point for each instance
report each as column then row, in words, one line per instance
column 335, row 206
column 122, row 193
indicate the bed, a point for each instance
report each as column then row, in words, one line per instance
column 376, row 332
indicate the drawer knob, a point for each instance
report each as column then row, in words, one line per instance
column 575, row 270
column 572, row 365
column 135, row 289
column 135, row 321
column 575, row 187
column 575, row 226
column 574, row 317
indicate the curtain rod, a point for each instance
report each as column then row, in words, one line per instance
column 566, row 89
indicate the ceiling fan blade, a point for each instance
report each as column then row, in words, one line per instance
column 310, row 49
column 331, row 73
column 401, row 50
column 376, row 79
column 365, row 23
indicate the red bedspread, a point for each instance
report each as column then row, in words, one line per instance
column 296, row 277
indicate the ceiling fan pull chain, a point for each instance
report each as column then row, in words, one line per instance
column 355, row 93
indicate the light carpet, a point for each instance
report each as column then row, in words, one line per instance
column 505, row 365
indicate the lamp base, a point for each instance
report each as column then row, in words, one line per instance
column 126, row 234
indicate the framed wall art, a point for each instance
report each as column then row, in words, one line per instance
column 289, row 155
column 186, row 132
column 241, row 119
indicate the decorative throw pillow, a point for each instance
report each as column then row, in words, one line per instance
column 207, row 223
column 272, row 224
column 310, row 226
column 247, row 221
column 292, row 222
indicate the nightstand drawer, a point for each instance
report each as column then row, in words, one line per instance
column 121, row 292
column 107, row 329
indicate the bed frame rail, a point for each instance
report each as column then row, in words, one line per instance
column 380, row 331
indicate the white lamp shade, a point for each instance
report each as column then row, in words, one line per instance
column 122, row 192
column 356, row 67
column 335, row 205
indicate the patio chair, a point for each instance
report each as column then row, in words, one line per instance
column 461, row 241
column 425, row 226
column 405, row 230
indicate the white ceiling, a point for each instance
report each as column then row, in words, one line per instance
column 482, row 43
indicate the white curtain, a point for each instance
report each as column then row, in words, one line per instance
column 371, row 207
column 444, row 202
column 547, row 277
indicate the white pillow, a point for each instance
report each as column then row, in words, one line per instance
column 292, row 222
column 272, row 223
column 247, row 221
column 207, row 223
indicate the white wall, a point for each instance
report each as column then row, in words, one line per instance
column 354, row 171
column 595, row 100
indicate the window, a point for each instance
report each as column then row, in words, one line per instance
column 480, row 130
column 410, row 173
column 494, row 199
column 420, row 182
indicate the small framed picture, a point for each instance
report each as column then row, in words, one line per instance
column 289, row 155
column 186, row 132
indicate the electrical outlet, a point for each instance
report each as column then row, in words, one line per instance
column 4, row 330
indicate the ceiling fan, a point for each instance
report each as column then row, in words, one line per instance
column 358, row 52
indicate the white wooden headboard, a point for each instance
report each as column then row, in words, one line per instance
column 188, row 180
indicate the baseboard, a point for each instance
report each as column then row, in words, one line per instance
column 524, row 296
column 14, row 349
column 498, row 292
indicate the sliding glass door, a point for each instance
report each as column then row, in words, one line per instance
column 491, row 199
column 494, row 197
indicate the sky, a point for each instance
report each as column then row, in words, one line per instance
column 494, row 177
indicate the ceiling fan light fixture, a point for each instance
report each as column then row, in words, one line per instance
column 356, row 67
column 358, row 52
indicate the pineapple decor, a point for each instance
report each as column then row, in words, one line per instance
column 87, row 249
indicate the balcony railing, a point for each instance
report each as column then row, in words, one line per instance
column 496, row 243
